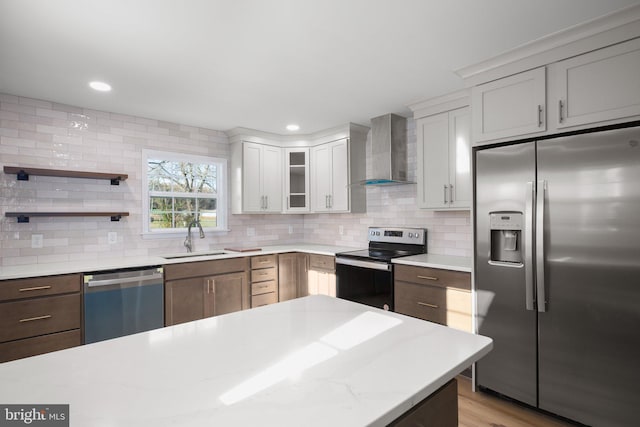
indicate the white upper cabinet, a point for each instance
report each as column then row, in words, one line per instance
column 330, row 177
column 592, row 73
column 460, row 158
column 444, row 160
column 261, row 171
column 301, row 174
column 296, row 180
column 595, row 87
column 509, row 107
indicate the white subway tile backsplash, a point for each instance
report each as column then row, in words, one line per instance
column 45, row 134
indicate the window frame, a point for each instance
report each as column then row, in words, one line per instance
column 221, row 191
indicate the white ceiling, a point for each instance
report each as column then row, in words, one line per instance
column 263, row 64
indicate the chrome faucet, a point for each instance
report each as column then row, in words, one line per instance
column 187, row 241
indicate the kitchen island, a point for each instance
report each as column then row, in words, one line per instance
column 312, row 361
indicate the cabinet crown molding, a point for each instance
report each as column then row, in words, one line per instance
column 303, row 140
column 431, row 106
column 597, row 33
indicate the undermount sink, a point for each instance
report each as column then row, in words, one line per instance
column 192, row 254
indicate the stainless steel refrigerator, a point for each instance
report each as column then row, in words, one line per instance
column 557, row 273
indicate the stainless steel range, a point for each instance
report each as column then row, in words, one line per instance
column 366, row 276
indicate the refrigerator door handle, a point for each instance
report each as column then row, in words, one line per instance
column 528, row 248
column 540, row 285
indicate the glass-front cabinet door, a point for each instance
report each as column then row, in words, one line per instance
column 296, row 180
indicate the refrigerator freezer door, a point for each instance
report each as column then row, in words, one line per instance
column 502, row 177
column 589, row 344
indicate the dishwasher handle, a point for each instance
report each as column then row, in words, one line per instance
column 155, row 277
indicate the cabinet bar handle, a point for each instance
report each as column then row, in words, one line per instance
column 428, row 277
column 425, row 304
column 213, row 287
column 539, row 115
column 266, row 202
column 31, row 319
column 445, row 194
column 35, row 288
column 560, row 108
column 450, row 193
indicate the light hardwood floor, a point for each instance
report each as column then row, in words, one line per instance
column 484, row 410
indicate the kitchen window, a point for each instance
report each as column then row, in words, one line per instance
column 179, row 188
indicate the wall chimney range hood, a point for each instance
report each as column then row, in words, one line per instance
column 388, row 151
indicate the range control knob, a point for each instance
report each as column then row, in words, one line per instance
column 410, row 235
column 373, row 233
column 377, row 233
column 417, row 235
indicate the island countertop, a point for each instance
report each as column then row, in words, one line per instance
column 312, row 361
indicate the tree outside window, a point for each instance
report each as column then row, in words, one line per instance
column 180, row 191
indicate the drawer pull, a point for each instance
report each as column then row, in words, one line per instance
column 35, row 288
column 31, row 319
column 264, row 261
column 428, row 277
column 425, row 304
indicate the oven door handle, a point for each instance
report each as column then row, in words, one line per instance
column 364, row 264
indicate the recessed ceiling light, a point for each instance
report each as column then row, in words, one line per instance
column 100, row 86
column 293, row 127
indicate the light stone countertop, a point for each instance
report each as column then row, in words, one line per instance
column 445, row 262
column 313, row 361
column 81, row 266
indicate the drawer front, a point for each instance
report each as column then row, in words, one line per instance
column 433, row 276
column 423, row 302
column 264, row 299
column 39, row 345
column 39, row 286
column 39, row 316
column 264, row 274
column 264, row 287
column 322, row 262
column 264, row 261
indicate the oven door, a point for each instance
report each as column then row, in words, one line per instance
column 366, row 282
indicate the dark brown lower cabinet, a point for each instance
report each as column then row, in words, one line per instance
column 292, row 275
column 226, row 293
column 436, row 295
column 439, row 409
column 224, row 289
column 39, row 315
column 39, row 345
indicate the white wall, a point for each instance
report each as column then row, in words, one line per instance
column 49, row 135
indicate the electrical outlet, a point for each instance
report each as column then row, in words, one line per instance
column 112, row 237
column 251, row 231
column 341, row 230
column 37, row 241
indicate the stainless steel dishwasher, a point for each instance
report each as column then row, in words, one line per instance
column 122, row 302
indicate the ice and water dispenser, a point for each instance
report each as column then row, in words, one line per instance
column 506, row 237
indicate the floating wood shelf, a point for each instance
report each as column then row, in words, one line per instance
column 23, row 217
column 23, row 174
